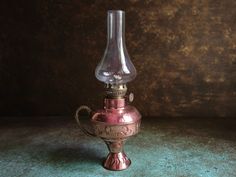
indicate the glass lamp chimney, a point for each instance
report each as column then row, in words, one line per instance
column 115, row 68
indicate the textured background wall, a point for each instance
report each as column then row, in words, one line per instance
column 184, row 51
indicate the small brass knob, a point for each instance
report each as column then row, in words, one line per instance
column 131, row 97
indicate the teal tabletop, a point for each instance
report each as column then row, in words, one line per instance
column 180, row 147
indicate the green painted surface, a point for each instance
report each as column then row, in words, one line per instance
column 164, row 147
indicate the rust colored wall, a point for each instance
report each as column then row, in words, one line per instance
column 184, row 51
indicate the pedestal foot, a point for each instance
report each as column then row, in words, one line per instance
column 117, row 161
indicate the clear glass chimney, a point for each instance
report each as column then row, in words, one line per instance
column 115, row 67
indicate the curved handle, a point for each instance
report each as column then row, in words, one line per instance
column 78, row 121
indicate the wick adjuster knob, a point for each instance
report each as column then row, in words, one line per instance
column 131, row 97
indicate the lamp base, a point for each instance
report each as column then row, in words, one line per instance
column 116, row 161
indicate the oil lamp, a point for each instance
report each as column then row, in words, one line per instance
column 118, row 120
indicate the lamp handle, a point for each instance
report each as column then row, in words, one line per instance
column 77, row 116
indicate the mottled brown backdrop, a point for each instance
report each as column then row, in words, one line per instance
column 184, row 52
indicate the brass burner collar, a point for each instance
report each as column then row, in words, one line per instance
column 115, row 90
